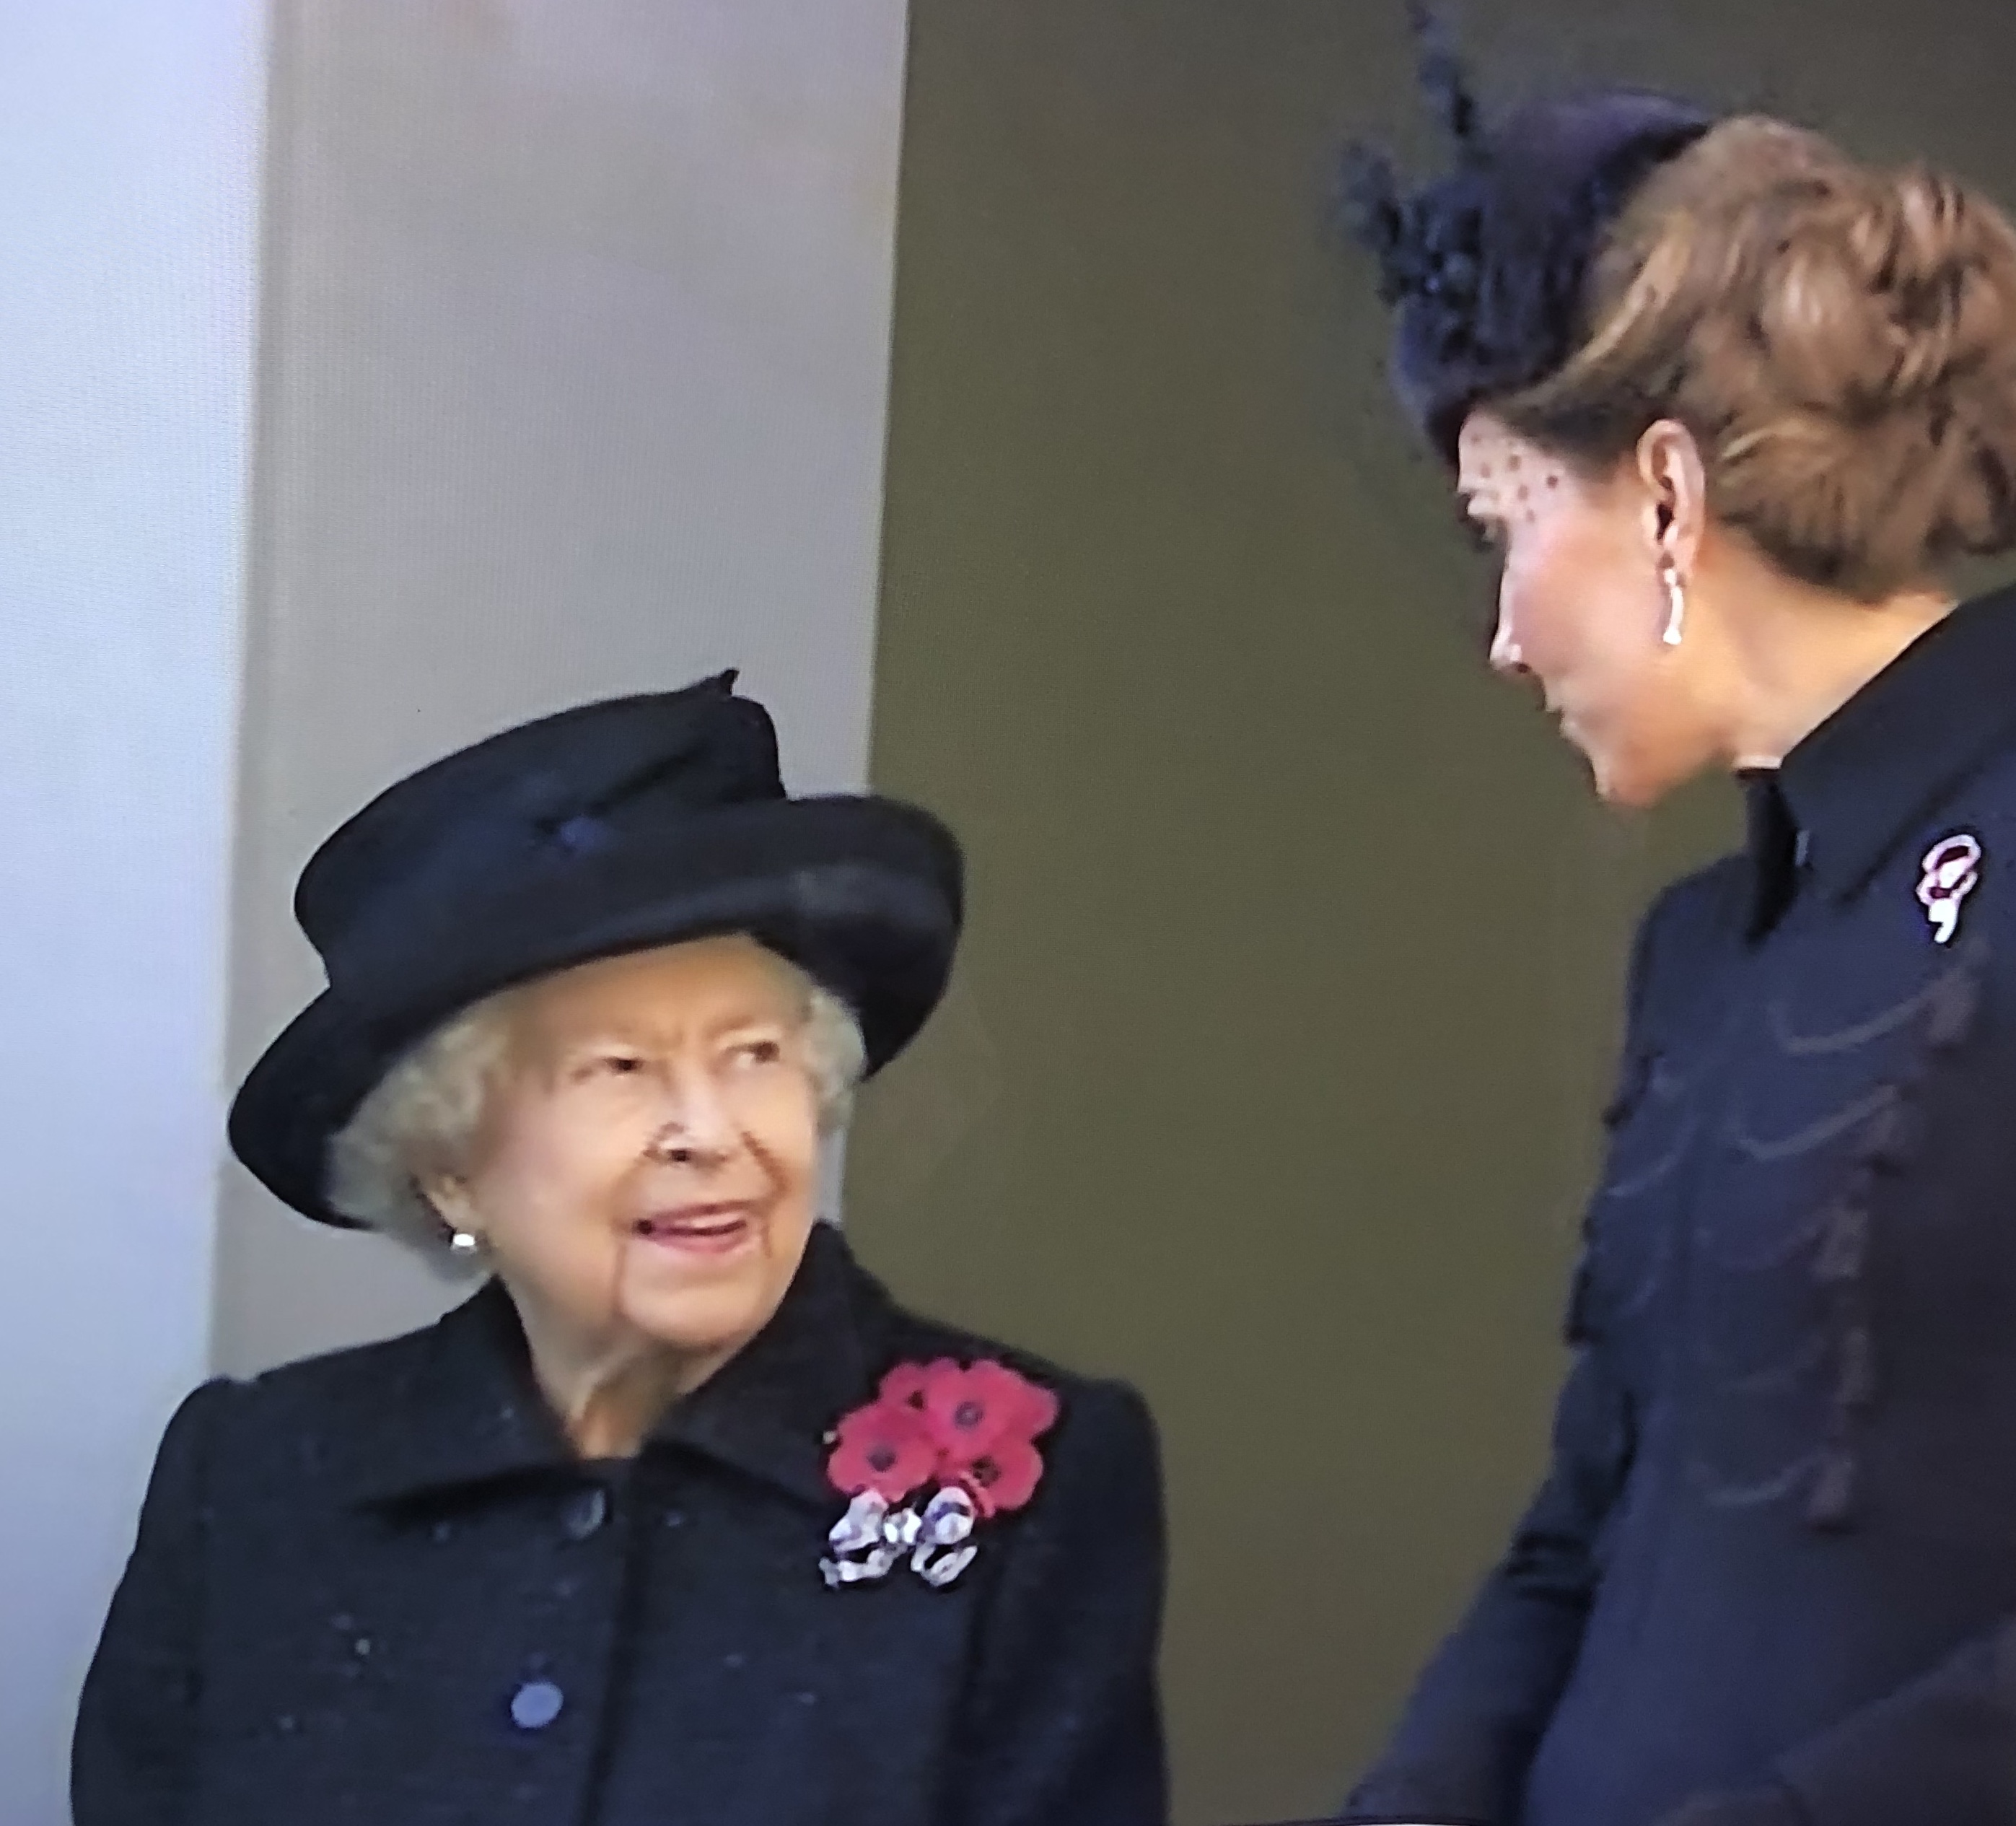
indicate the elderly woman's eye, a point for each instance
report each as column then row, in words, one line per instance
column 763, row 1052
column 615, row 1064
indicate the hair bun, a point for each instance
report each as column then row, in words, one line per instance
column 1883, row 295
column 1842, row 339
column 1890, row 313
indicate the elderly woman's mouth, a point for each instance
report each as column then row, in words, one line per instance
column 706, row 1230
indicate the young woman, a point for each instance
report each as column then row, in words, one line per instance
column 1728, row 403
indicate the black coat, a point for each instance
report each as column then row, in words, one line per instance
column 1772, row 1578
column 374, row 1590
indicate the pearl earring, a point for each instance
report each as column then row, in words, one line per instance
column 1676, row 604
column 463, row 1243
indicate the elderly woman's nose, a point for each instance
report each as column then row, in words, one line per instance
column 696, row 1111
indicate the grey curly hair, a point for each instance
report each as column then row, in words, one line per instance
column 424, row 1113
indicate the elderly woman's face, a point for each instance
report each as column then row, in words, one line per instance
column 649, row 1163
column 1581, row 607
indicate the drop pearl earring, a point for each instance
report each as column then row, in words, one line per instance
column 1676, row 605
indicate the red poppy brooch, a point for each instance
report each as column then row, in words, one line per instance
column 942, row 1447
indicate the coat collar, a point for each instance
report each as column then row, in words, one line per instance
column 1877, row 769
column 468, row 1412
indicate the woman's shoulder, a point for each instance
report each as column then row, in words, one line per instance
column 1095, row 1413
column 227, row 1423
column 1703, row 907
column 1692, row 926
column 366, row 1381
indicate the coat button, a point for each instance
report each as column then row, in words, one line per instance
column 536, row 1704
column 586, row 1512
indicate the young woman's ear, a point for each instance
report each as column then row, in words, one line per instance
column 1670, row 470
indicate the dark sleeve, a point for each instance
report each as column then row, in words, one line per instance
column 1479, row 1712
column 1941, row 1749
column 1062, row 1726
column 132, row 1756
column 1477, row 1715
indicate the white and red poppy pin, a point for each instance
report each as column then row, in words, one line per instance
column 1952, row 869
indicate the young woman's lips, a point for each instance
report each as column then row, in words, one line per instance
column 699, row 1229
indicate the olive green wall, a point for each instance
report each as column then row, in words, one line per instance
column 1270, row 1076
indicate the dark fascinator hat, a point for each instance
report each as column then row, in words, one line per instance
column 1486, row 266
column 610, row 828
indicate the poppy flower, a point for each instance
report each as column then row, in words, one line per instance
column 905, row 1386
column 883, row 1447
column 969, row 1411
column 1004, row 1476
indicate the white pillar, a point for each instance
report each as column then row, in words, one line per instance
column 128, row 181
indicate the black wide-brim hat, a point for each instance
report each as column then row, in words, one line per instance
column 614, row 827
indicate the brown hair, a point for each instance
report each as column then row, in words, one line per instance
column 1840, row 340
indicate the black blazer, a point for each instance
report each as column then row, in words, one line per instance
column 374, row 1589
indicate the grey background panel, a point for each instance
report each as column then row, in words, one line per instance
column 573, row 372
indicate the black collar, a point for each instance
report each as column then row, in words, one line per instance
column 467, row 1411
column 1775, row 844
column 1878, row 767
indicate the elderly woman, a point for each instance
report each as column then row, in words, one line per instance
column 1727, row 403
column 679, row 1519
